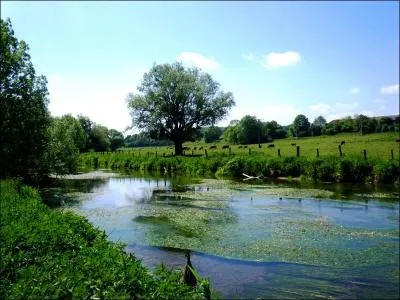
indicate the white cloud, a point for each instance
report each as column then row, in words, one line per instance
column 320, row 108
column 391, row 89
column 249, row 56
column 101, row 98
column 280, row 59
column 354, row 91
column 346, row 106
column 198, row 60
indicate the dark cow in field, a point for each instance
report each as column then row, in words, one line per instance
column 194, row 148
column 200, row 148
column 244, row 146
column 186, row 148
column 240, row 147
column 271, row 146
column 293, row 144
column 213, row 147
column 398, row 141
column 225, row 147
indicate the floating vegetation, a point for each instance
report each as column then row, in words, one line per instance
column 256, row 222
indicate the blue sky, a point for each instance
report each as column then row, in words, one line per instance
column 278, row 59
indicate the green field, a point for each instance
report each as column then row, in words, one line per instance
column 377, row 145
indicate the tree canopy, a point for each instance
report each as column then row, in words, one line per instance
column 24, row 118
column 174, row 102
column 300, row 126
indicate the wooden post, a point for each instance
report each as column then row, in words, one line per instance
column 317, row 152
column 163, row 154
column 340, row 150
column 365, row 154
column 205, row 152
column 192, row 152
column 279, row 152
column 391, row 151
column 297, row 151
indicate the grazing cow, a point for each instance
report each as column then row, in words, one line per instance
column 245, row 146
column 186, row 148
column 293, row 144
column 213, row 147
column 194, row 148
column 240, row 147
column 342, row 143
column 225, row 147
column 271, row 146
column 200, row 148
column 398, row 141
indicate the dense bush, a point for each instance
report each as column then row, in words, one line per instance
column 48, row 253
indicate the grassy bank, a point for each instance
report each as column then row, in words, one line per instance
column 324, row 168
column 52, row 254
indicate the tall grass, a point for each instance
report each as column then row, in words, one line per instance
column 52, row 254
column 327, row 168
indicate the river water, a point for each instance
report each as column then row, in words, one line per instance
column 258, row 240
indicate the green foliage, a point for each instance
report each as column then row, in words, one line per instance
column 250, row 130
column 100, row 139
column 116, row 139
column 211, row 134
column 300, row 127
column 144, row 140
column 67, row 139
column 24, row 118
column 49, row 253
column 327, row 168
column 174, row 103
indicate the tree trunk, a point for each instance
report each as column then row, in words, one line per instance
column 178, row 148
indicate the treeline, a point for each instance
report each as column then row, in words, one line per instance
column 250, row 130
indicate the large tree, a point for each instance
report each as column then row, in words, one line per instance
column 300, row 126
column 174, row 102
column 24, row 118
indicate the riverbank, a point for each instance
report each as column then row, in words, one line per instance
column 60, row 254
column 324, row 169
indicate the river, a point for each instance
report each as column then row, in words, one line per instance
column 253, row 240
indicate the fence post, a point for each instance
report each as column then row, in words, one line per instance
column 340, row 150
column 279, row 152
column 317, row 152
column 391, row 151
column 297, row 151
column 192, row 152
column 163, row 154
column 365, row 154
column 205, row 152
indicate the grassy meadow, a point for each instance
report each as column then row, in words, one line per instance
column 377, row 145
